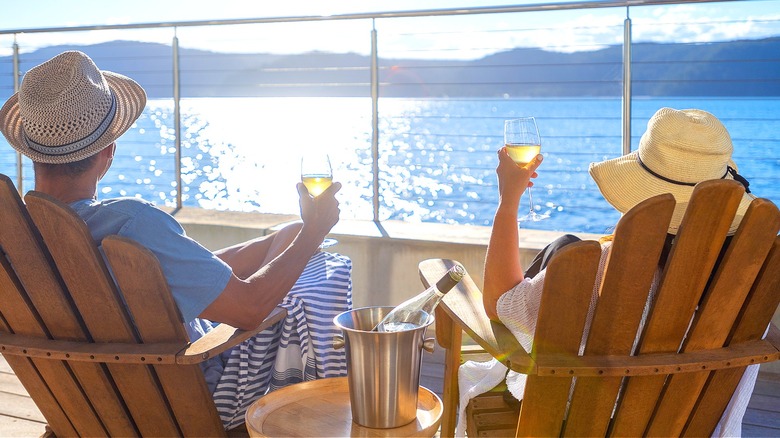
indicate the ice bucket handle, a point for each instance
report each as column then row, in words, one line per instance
column 429, row 344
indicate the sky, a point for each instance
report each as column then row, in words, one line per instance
column 455, row 37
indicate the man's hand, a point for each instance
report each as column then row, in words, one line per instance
column 319, row 214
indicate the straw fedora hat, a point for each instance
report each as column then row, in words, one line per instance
column 679, row 149
column 67, row 110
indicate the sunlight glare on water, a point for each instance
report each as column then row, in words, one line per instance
column 436, row 157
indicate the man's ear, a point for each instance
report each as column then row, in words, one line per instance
column 111, row 150
column 108, row 155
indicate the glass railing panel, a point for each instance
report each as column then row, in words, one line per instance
column 7, row 156
column 727, row 66
column 443, row 107
column 249, row 113
column 446, row 83
column 141, row 167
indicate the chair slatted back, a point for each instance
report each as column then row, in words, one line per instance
column 158, row 320
column 62, row 289
column 717, row 313
column 633, row 259
column 698, row 305
column 562, row 315
column 714, row 291
column 689, row 267
column 38, row 305
column 759, row 308
column 95, row 295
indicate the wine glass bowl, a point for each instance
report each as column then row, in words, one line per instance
column 523, row 144
column 316, row 173
column 317, row 176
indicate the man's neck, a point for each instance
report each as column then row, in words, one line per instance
column 65, row 188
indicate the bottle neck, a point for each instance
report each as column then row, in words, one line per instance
column 446, row 283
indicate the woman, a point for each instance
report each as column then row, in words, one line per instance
column 678, row 150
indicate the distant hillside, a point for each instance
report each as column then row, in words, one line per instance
column 738, row 68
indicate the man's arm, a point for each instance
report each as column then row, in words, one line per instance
column 248, row 257
column 244, row 303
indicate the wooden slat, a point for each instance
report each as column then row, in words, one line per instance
column 158, row 320
column 760, row 305
column 34, row 383
column 450, row 396
column 568, row 289
column 692, row 257
column 719, row 310
column 37, row 284
column 95, row 295
column 632, row 263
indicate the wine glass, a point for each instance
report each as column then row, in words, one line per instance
column 522, row 141
column 316, row 173
column 317, row 176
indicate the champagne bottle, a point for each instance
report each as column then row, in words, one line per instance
column 414, row 312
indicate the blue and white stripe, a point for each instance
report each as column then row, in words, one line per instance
column 299, row 348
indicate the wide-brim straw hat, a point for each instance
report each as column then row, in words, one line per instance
column 679, row 149
column 67, row 109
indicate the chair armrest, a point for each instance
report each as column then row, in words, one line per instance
column 83, row 351
column 224, row 337
column 162, row 353
column 464, row 305
column 739, row 355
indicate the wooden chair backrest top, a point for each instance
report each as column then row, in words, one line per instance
column 56, row 285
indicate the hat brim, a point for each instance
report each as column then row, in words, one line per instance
column 130, row 101
column 624, row 183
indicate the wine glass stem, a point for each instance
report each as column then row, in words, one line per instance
column 530, row 200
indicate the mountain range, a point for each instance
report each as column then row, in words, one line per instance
column 722, row 69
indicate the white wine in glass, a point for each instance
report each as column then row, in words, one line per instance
column 522, row 141
column 316, row 173
column 317, row 176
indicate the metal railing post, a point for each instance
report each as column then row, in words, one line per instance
column 177, row 119
column 19, row 175
column 375, row 120
column 627, row 84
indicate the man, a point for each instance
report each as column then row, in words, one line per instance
column 67, row 117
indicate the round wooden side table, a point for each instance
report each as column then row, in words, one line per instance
column 322, row 408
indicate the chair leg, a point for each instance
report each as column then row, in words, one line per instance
column 48, row 433
column 451, row 395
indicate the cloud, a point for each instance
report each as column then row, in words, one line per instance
column 688, row 24
column 454, row 37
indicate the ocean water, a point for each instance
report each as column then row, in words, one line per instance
column 437, row 157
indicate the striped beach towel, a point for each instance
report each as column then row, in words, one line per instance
column 297, row 349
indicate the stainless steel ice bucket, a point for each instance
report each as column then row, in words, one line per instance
column 383, row 369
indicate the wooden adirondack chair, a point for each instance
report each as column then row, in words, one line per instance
column 94, row 366
column 660, row 389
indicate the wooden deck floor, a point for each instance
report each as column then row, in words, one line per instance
column 19, row 417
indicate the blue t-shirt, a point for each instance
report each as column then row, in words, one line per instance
column 194, row 274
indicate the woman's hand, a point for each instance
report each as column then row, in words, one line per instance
column 514, row 179
column 502, row 260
